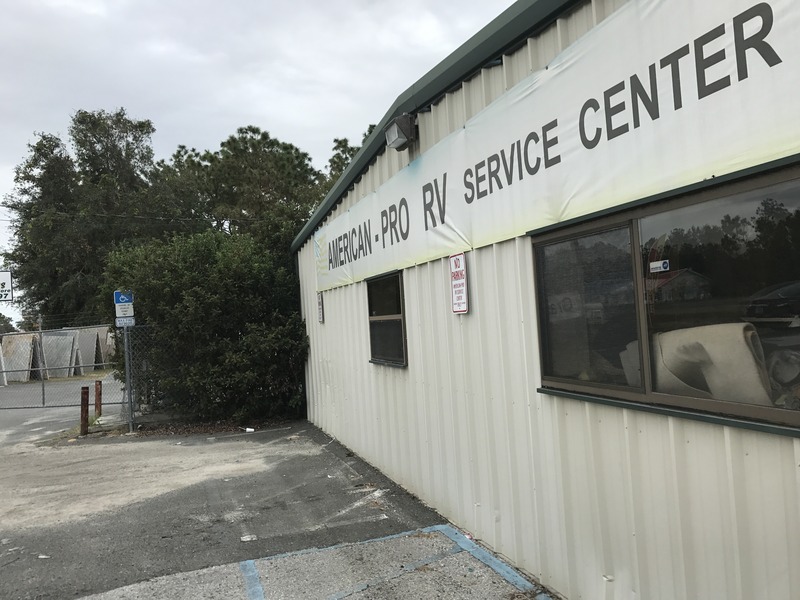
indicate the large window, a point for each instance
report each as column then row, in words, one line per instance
column 712, row 284
column 387, row 327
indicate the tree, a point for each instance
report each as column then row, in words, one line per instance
column 72, row 206
column 253, row 184
column 45, row 234
column 6, row 325
column 222, row 307
column 226, row 338
column 343, row 154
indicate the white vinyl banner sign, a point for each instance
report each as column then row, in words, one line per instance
column 660, row 95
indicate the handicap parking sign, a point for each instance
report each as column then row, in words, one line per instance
column 121, row 297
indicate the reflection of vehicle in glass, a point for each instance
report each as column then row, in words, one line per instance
column 775, row 306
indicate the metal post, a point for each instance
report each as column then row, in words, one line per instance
column 98, row 398
column 41, row 358
column 85, row 410
column 128, row 378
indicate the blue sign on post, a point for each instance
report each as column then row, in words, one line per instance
column 125, row 297
column 123, row 304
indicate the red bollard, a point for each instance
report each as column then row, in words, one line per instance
column 98, row 398
column 85, row 410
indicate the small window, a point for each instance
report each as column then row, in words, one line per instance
column 387, row 326
column 589, row 320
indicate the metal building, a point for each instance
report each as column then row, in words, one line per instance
column 556, row 295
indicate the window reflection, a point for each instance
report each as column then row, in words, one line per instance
column 590, row 319
column 722, row 292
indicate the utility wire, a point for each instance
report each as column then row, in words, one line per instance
column 150, row 217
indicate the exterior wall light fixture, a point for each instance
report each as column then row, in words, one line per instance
column 400, row 132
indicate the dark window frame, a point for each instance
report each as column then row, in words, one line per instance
column 773, row 419
column 393, row 317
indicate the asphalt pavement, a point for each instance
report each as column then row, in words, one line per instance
column 33, row 424
column 285, row 512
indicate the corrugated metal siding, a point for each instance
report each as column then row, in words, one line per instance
column 596, row 502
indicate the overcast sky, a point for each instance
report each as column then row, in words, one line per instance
column 307, row 71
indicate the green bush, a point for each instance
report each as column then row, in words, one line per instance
column 225, row 337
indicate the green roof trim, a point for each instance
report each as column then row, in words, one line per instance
column 518, row 22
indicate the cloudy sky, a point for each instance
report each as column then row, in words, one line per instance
column 307, row 71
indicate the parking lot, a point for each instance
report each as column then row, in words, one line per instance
column 285, row 512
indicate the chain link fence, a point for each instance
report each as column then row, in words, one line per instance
column 49, row 368
column 146, row 395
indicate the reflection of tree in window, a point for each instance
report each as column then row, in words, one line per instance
column 738, row 256
column 726, row 267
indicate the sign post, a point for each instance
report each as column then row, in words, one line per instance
column 123, row 307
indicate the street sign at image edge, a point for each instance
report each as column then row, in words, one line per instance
column 6, row 287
